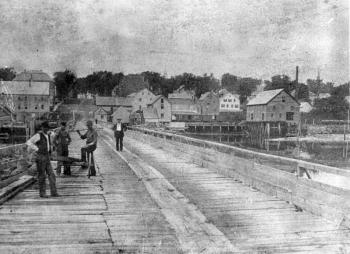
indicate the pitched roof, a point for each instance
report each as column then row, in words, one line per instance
column 34, row 75
column 101, row 111
column 203, row 96
column 26, row 88
column 105, row 101
column 123, row 101
column 157, row 97
column 264, row 97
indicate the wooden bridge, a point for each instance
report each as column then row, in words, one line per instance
column 172, row 194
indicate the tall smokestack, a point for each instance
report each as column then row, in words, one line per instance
column 296, row 82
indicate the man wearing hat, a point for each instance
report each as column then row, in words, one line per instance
column 61, row 141
column 119, row 128
column 41, row 144
column 91, row 141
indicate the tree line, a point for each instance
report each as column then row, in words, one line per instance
column 101, row 83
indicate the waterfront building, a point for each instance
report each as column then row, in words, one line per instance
column 140, row 99
column 228, row 102
column 184, row 106
column 107, row 103
column 162, row 108
column 209, row 103
column 122, row 113
column 102, row 115
column 273, row 106
column 32, row 94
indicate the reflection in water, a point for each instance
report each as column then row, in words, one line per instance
column 328, row 153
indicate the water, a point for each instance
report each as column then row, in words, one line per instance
column 327, row 153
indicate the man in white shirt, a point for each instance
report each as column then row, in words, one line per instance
column 119, row 128
column 40, row 143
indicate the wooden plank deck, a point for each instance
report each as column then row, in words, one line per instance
column 109, row 213
column 253, row 221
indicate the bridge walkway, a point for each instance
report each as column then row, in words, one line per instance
column 253, row 221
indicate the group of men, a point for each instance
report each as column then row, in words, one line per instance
column 41, row 144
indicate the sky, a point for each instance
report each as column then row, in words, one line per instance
column 247, row 38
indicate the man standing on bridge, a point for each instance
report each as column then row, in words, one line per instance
column 91, row 141
column 119, row 128
column 41, row 144
column 61, row 142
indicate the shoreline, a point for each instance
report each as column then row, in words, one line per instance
column 318, row 138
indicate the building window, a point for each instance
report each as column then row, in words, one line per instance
column 272, row 115
column 42, row 106
column 222, row 105
column 227, row 105
column 161, row 100
column 280, row 115
column 229, row 100
column 273, row 107
column 36, row 107
column 283, row 99
column 262, row 116
column 162, row 106
column 25, row 98
column 25, row 107
column 19, row 106
column 289, row 116
column 19, row 98
column 140, row 99
column 231, row 105
column 225, row 100
column 251, row 116
column 234, row 100
column 292, row 108
column 162, row 115
column 42, row 98
column 236, row 106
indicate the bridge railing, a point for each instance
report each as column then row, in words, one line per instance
column 275, row 175
column 14, row 162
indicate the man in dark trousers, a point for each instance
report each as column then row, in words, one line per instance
column 91, row 143
column 41, row 144
column 119, row 129
column 61, row 142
